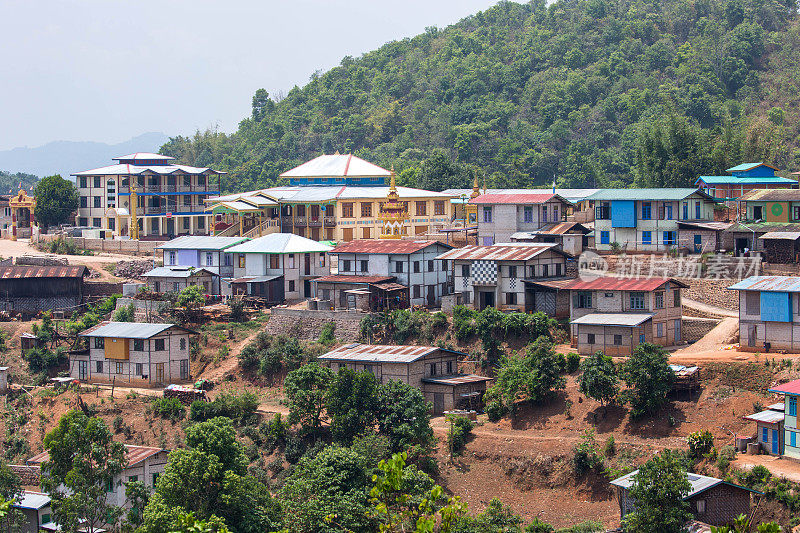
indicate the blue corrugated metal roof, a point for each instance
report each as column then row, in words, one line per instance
column 748, row 166
column 768, row 283
column 743, row 180
column 665, row 193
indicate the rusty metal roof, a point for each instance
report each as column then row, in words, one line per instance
column 781, row 235
column 25, row 271
column 382, row 353
column 456, row 379
column 555, row 284
column 385, row 246
column 562, row 228
column 133, row 455
column 771, row 195
column 342, row 278
column 768, row 283
column 621, row 284
column 515, row 251
column 792, row 387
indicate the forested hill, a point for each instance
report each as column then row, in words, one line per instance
column 596, row 93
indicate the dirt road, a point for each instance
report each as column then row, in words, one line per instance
column 21, row 247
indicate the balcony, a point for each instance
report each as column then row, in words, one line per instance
column 329, row 222
column 286, row 222
column 153, row 188
column 315, row 222
column 300, row 221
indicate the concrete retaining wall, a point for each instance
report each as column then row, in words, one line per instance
column 695, row 329
column 307, row 324
column 129, row 247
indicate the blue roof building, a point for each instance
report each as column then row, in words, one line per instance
column 743, row 179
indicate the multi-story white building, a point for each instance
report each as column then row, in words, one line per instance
column 133, row 352
column 170, row 198
column 501, row 215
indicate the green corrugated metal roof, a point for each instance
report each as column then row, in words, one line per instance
column 645, row 194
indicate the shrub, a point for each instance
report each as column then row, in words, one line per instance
column 538, row 526
column 295, row 449
column 587, row 458
column 460, row 429
column 236, row 306
column 700, row 443
column 239, row 407
column 726, row 455
column 41, row 359
column 610, row 447
column 758, row 475
column 573, row 362
column 495, row 410
column 124, row 313
column 275, row 432
column 170, row 408
column 326, row 335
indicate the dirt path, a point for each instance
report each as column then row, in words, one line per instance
column 779, row 467
column 706, row 308
column 218, row 373
column 714, row 340
column 9, row 248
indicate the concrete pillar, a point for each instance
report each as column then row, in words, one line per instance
column 13, row 223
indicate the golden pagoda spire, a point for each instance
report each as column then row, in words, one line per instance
column 393, row 212
column 475, row 188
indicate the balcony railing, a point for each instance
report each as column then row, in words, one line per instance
column 286, row 221
column 299, row 221
column 315, row 222
column 329, row 222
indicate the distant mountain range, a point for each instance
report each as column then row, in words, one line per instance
column 67, row 157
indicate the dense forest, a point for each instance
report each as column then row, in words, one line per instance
column 10, row 183
column 595, row 93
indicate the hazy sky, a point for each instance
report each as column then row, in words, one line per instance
column 107, row 70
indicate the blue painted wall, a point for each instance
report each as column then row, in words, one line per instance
column 623, row 214
column 758, row 172
column 776, row 306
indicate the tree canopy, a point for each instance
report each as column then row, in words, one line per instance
column 56, row 200
column 593, row 93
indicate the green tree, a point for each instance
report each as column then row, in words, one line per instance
column 599, row 378
column 496, row 518
column 328, row 493
column 658, row 490
column 306, row 389
column 217, row 437
column 351, row 403
column 10, row 491
column 649, row 377
column 404, row 416
column 83, row 464
column 56, row 200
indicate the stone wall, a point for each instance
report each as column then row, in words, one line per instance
column 307, row 324
column 102, row 288
column 42, row 260
column 695, row 329
column 28, row 475
column 129, row 247
column 712, row 292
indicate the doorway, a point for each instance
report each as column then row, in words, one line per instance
column 307, row 264
column 438, row 402
column 741, row 244
column 775, row 441
column 159, row 372
column 485, row 299
column 306, row 289
column 83, row 369
column 431, row 294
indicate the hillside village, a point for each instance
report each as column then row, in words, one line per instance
column 536, row 354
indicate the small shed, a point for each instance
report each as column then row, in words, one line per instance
column 267, row 289
column 769, row 428
column 711, row 500
column 548, row 296
column 615, row 334
column 781, row 246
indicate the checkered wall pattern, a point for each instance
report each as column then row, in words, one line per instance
column 484, row 272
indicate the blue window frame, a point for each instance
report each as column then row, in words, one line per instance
column 647, row 237
column 793, row 438
column 764, row 435
column 697, row 210
column 605, row 237
column 647, row 211
column 668, row 212
column 685, row 210
column 487, row 213
column 669, row 238
column 792, row 405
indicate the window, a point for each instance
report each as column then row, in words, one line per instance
column 201, row 181
column 660, row 329
column 172, row 258
column 133, row 478
column 187, row 200
column 184, row 369
column 544, row 213
column 159, row 345
column 183, row 344
column 416, row 267
column 176, row 286
column 138, row 345
column 240, row 260
column 660, row 300
column 617, row 340
column 139, row 369
column 792, row 405
column 527, row 214
column 226, row 258
column 274, row 261
column 583, row 300
column 697, row 210
column 97, row 182
column 438, row 207
column 558, row 269
column 752, row 301
column 99, row 342
column 792, row 438
column 155, row 477
column 291, row 285
column 99, row 367
column 346, row 265
column 417, row 291
column 487, row 213
column 119, row 368
column 605, row 237
column 590, row 338
column 83, row 221
column 98, row 201
column 421, row 208
column 209, row 258
column 398, row 267
column 668, row 212
column 201, row 222
column 511, row 298
column 669, row 238
column 545, row 271
column 795, row 213
column 432, row 369
column 685, row 210
column 45, row 518
column 110, row 486
column 603, row 211
column 366, row 209
column 637, row 301
column 347, row 210
column 84, row 201
column 555, row 213
column 676, row 298
column 647, row 237
column 82, row 181
column 701, row 506
column 364, row 265
column 322, row 259
column 449, row 367
column 512, row 271
column 764, row 435
column 487, row 241
column 647, row 211
column 97, row 223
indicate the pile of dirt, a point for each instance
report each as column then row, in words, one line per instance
column 133, row 269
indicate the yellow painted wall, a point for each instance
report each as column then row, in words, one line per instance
column 116, row 348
